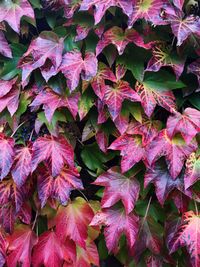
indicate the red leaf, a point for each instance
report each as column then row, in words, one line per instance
column 153, row 261
column 49, row 251
column 22, row 165
column 4, row 46
column 121, row 122
column 192, row 172
column 102, row 6
column 188, row 234
column 149, row 237
column 148, row 129
column 194, row 68
column 162, row 57
column 12, row 12
column 73, row 65
column 115, row 95
column 72, row 221
column 148, row 10
column 88, row 256
column 188, row 124
column 120, row 39
column 52, row 101
column 10, row 192
column 10, row 100
column 98, row 82
column 118, row 187
column 163, row 181
column 150, row 97
column 59, row 187
column 131, row 149
column 20, row 247
column 102, row 140
column 117, row 222
column 6, row 86
column 55, row 151
column 175, row 151
column 45, row 52
column 182, row 26
column 7, row 217
column 70, row 6
column 3, row 247
column 6, row 154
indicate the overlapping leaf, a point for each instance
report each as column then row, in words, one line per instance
column 73, row 65
column 4, row 46
column 192, row 172
column 175, row 151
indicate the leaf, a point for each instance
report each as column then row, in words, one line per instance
column 153, row 261
column 21, row 243
column 117, row 222
column 22, row 165
column 49, row 251
column 120, row 39
column 7, row 217
column 182, row 26
column 73, row 220
column 98, row 82
column 151, row 96
column 148, row 10
column 4, row 46
column 162, row 57
column 115, row 95
column 188, row 124
column 192, row 172
column 131, row 149
column 45, row 52
column 102, row 6
column 58, row 187
column 73, row 65
column 118, row 187
column 3, row 247
column 6, row 154
column 6, row 86
column 148, row 129
column 11, row 99
column 194, row 68
column 163, row 181
column 56, row 151
column 150, row 237
column 188, row 234
column 175, row 151
column 12, row 12
column 10, row 192
column 88, row 256
column 70, row 7
column 51, row 101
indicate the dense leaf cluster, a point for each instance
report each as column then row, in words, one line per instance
column 99, row 133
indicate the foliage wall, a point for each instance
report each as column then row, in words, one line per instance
column 99, row 133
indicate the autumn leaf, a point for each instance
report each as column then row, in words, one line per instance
column 188, row 234
column 51, row 101
column 6, row 154
column 132, row 150
column 116, row 94
column 117, row 222
column 162, row 57
column 45, row 52
column 22, row 165
column 120, row 39
column 175, row 151
column 102, row 6
column 21, row 243
column 73, row 220
column 118, row 187
column 55, row 151
column 12, row 12
column 49, row 251
column 188, row 124
column 73, row 65
column 163, row 181
column 58, row 187
column 4, row 46
column 192, row 172
column 148, row 10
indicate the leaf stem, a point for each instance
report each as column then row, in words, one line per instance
column 17, row 128
column 35, row 220
column 83, row 195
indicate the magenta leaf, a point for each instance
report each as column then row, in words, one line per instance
column 73, row 65
column 4, row 46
